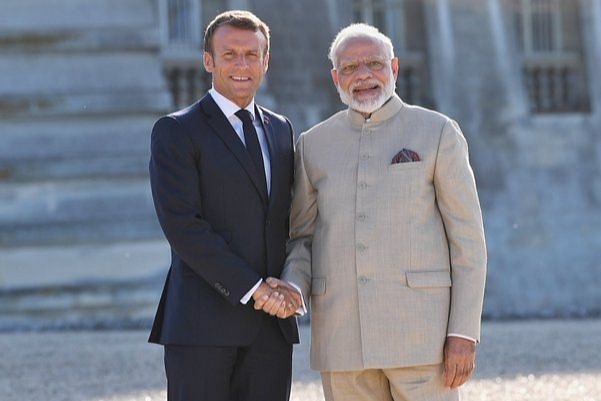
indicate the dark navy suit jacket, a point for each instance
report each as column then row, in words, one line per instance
column 225, row 233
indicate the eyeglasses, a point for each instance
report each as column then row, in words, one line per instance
column 373, row 64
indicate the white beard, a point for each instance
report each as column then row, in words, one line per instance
column 370, row 105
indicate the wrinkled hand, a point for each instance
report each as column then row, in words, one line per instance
column 459, row 361
column 278, row 298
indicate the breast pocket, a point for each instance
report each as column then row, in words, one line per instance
column 401, row 179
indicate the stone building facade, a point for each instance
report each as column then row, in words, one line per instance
column 80, row 86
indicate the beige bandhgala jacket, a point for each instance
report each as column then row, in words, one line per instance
column 390, row 257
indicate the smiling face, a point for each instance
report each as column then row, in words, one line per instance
column 364, row 75
column 238, row 62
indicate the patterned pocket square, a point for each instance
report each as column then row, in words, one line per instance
column 405, row 156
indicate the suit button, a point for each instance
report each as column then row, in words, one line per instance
column 224, row 291
column 363, row 280
column 361, row 217
column 361, row 247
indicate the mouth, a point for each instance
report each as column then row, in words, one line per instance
column 366, row 89
column 240, row 78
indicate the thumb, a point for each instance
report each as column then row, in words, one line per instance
column 272, row 282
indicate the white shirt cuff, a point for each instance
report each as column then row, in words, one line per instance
column 249, row 294
column 462, row 336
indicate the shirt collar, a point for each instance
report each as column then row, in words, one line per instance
column 228, row 107
column 389, row 109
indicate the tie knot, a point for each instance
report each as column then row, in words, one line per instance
column 245, row 116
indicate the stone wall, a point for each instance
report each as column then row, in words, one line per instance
column 81, row 84
column 538, row 175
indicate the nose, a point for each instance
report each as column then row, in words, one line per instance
column 242, row 61
column 363, row 71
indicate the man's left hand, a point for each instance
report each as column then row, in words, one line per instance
column 283, row 301
column 459, row 361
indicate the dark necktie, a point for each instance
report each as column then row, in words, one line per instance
column 252, row 143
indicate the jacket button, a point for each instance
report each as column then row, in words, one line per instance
column 222, row 289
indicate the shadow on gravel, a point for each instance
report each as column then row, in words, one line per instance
column 539, row 347
column 111, row 365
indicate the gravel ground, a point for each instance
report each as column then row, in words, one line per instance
column 554, row 360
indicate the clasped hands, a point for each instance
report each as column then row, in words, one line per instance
column 277, row 297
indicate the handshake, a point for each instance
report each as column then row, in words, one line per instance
column 277, row 297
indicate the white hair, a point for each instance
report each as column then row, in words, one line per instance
column 359, row 31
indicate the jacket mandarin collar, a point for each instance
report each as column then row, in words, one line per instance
column 387, row 111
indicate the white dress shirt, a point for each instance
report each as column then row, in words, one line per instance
column 229, row 108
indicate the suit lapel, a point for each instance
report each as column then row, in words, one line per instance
column 271, row 142
column 224, row 130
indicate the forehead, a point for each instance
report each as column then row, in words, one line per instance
column 228, row 36
column 360, row 48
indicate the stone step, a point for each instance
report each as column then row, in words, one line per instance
column 79, row 232
column 86, row 72
column 23, row 268
column 82, row 307
column 71, row 40
column 76, row 211
column 82, row 83
column 83, row 286
column 64, row 137
column 90, row 166
column 18, row 15
column 77, row 147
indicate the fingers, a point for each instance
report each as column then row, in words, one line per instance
column 265, row 298
column 293, row 297
column 278, row 299
column 280, row 306
column 457, row 375
column 273, row 282
column 275, row 304
column 459, row 361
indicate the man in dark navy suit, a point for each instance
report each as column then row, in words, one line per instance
column 221, row 172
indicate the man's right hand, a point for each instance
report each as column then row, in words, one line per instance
column 278, row 298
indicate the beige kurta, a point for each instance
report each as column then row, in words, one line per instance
column 391, row 257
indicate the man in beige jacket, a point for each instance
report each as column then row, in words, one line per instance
column 387, row 241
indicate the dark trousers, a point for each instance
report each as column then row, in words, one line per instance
column 261, row 371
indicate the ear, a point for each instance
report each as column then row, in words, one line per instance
column 265, row 62
column 334, row 73
column 395, row 67
column 207, row 60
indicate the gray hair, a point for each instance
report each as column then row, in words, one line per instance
column 359, row 31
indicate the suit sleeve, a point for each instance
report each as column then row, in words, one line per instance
column 303, row 218
column 459, row 206
column 174, row 180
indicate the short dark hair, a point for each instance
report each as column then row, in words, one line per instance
column 239, row 19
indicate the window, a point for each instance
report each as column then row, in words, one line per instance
column 181, row 51
column 402, row 21
column 181, row 22
column 550, row 44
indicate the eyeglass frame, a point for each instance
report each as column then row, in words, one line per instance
column 373, row 64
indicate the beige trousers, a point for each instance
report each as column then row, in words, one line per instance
column 422, row 383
